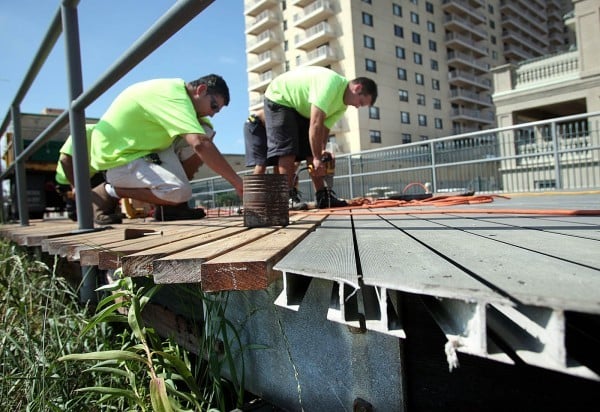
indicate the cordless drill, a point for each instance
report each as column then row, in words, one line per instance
column 329, row 164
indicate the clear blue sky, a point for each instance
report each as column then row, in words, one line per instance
column 213, row 42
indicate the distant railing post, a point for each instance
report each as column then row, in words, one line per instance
column 20, row 179
column 433, row 172
column 77, row 116
column 557, row 160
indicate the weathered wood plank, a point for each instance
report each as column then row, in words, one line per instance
column 140, row 263
column 113, row 259
column 250, row 267
column 32, row 235
column 185, row 266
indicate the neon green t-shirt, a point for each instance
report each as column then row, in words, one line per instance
column 302, row 87
column 145, row 118
column 67, row 148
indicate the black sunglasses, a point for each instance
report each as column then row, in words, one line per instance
column 214, row 106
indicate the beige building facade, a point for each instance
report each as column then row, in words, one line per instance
column 432, row 60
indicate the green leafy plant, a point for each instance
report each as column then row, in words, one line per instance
column 148, row 370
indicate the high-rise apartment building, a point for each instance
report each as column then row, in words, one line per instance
column 430, row 59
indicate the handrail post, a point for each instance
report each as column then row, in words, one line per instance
column 77, row 116
column 20, row 178
column 557, row 168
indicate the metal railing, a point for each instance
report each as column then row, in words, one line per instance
column 556, row 154
column 65, row 21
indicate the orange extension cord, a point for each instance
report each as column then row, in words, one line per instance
column 369, row 206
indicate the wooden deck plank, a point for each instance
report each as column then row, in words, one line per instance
column 37, row 231
column 391, row 258
column 108, row 257
column 525, row 276
column 185, row 266
column 250, row 267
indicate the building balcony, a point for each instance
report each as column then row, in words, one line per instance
column 463, row 8
column 462, row 97
column 459, row 42
column 462, row 60
column 516, row 23
column 265, row 20
column 555, row 69
column 254, row 7
column 471, row 115
column 530, row 20
column 322, row 56
column 264, row 41
column 460, row 78
column 314, row 36
column 316, row 12
column 300, row 3
column 264, row 61
column 516, row 53
column 259, row 83
column 459, row 24
column 509, row 37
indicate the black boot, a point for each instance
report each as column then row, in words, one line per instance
column 177, row 212
column 326, row 199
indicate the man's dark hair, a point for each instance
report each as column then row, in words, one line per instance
column 369, row 87
column 215, row 85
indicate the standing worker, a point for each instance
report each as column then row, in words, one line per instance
column 300, row 108
column 151, row 141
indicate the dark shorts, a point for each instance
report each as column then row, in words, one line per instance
column 287, row 132
column 255, row 138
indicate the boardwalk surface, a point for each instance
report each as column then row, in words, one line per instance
column 502, row 279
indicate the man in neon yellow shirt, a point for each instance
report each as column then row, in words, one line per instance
column 300, row 108
column 150, row 142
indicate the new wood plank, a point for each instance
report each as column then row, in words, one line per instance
column 391, row 258
column 250, row 267
column 524, row 276
column 185, row 266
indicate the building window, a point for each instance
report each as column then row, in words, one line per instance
column 397, row 9
column 403, row 95
column 438, row 123
column 414, row 1
column 406, row 138
column 373, row 112
column 435, row 84
column 423, row 137
column 492, row 24
column 398, row 31
column 429, row 7
column 435, row 65
column 422, row 120
column 367, row 19
column 405, row 117
column 369, row 42
column 370, row 65
column 416, row 38
column 366, row 1
column 285, row 45
column 283, row 5
column 490, row 9
column 432, row 45
column 418, row 58
column 437, row 104
column 375, row 136
column 401, row 74
column 414, row 17
column 284, row 25
column 419, row 78
column 400, row 52
column 420, row 99
column 431, row 27
column 493, row 39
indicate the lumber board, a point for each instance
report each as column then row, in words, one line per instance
column 250, row 267
column 111, row 259
column 185, row 266
column 140, row 263
column 32, row 235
